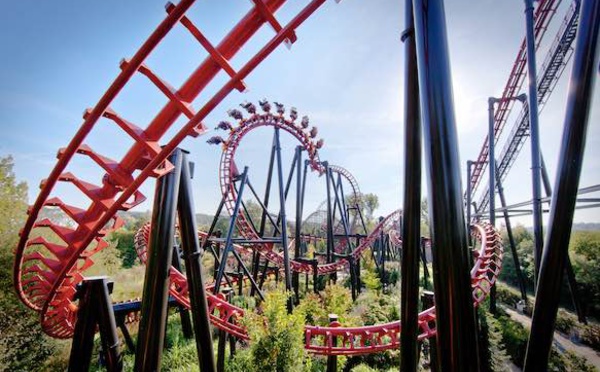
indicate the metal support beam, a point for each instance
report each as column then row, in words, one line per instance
column 95, row 309
column 228, row 245
column 456, row 322
column 573, row 288
column 155, row 297
column 411, row 226
column 583, row 76
column 534, row 130
column 492, row 185
column 184, row 315
column 284, row 236
column 193, row 266
column 297, row 239
column 511, row 240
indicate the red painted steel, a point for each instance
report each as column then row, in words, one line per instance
column 543, row 15
column 46, row 286
column 351, row 340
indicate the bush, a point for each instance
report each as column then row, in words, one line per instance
column 277, row 338
column 591, row 336
column 507, row 295
column 338, row 300
column 514, row 337
column 363, row 368
column 565, row 322
column 314, row 310
column 495, row 357
column 377, row 362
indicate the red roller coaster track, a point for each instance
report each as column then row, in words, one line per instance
column 46, row 273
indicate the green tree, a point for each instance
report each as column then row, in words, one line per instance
column 124, row 240
column 367, row 203
column 584, row 251
column 23, row 347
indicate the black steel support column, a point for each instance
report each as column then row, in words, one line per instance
column 568, row 266
column 297, row 239
column 411, row 226
column 534, row 130
column 583, row 76
column 330, row 242
column 332, row 359
column 492, row 185
column 95, row 308
column 85, row 329
column 511, row 240
column 223, row 336
column 427, row 298
column 456, row 322
column 468, row 199
column 155, row 298
column 228, row 244
column 284, row 236
column 184, row 315
column 193, row 266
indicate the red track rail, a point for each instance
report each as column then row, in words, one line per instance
column 46, row 273
column 351, row 340
column 543, row 15
column 228, row 172
column 381, row 337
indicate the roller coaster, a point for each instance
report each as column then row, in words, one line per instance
column 49, row 274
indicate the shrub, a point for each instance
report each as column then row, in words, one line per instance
column 507, row 295
column 565, row 321
column 363, row 368
column 276, row 338
column 377, row 362
column 577, row 363
column 497, row 358
column 591, row 336
column 514, row 337
column 338, row 300
column 314, row 310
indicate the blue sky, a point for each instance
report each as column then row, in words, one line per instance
column 344, row 72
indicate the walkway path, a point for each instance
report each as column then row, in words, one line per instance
column 562, row 342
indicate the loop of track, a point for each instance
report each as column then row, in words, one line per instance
column 228, row 173
column 46, row 273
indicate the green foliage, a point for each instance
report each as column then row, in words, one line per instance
column 393, row 276
column 591, row 336
column 564, row 322
column 367, row 203
column 377, row 362
column 276, row 338
column 338, row 300
column 373, row 308
column 577, row 363
column 22, row 344
column 514, row 337
column 371, row 280
column 524, row 247
column 362, row 368
column 124, row 240
column 13, row 206
column 496, row 358
column 314, row 309
column 585, row 256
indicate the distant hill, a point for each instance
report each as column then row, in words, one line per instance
column 579, row 226
column 586, row 226
column 201, row 218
